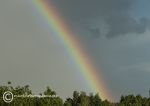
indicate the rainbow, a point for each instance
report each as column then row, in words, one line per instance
column 87, row 68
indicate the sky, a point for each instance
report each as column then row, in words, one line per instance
column 115, row 34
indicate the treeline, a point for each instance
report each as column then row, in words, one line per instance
column 78, row 98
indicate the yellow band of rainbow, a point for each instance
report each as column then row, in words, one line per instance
column 87, row 68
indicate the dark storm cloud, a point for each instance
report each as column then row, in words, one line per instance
column 122, row 60
column 122, row 24
column 115, row 13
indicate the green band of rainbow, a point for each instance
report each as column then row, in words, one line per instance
column 87, row 68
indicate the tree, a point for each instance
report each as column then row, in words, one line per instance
column 78, row 99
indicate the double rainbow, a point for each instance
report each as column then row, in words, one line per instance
column 87, row 68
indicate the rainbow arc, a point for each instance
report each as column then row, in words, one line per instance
column 87, row 68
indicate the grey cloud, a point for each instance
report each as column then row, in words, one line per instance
column 122, row 24
column 94, row 32
column 77, row 9
column 119, row 58
column 144, row 23
column 115, row 13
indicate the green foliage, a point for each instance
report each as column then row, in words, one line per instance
column 78, row 99
column 132, row 100
column 82, row 99
column 29, row 101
